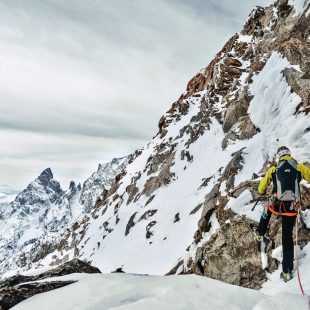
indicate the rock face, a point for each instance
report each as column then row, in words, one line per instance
column 32, row 224
column 182, row 205
column 221, row 259
column 18, row 288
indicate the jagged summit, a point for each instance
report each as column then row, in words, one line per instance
column 46, row 179
column 72, row 185
column 46, row 175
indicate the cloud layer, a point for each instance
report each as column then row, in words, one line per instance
column 83, row 81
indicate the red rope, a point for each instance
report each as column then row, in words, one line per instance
column 297, row 269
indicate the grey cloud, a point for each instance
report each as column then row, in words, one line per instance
column 70, row 157
column 101, row 72
column 75, row 124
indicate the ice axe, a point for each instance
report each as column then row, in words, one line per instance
column 257, row 201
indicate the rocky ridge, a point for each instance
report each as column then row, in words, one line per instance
column 230, row 254
column 186, row 195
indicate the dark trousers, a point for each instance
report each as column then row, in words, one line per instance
column 287, row 237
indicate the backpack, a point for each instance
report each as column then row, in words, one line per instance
column 287, row 180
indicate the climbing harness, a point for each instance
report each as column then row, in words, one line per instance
column 281, row 208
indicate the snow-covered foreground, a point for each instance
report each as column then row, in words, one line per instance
column 129, row 291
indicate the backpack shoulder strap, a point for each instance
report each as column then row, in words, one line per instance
column 293, row 163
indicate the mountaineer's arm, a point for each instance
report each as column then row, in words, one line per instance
column 266, row 180
column 305, row 171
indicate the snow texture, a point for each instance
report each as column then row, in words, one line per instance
column 242, row 206
column 128, row 291
column 273, row 111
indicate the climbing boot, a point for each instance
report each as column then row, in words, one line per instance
column 286, row 276
column 257, row 236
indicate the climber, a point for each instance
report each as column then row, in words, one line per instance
column 284, row 201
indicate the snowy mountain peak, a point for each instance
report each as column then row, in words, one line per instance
column 46, row 175
column 72, row 186
column 43, row 211
column 46, row 180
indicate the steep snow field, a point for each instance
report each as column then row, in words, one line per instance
column 154, row 255
column 129, row 291
column 274, row 111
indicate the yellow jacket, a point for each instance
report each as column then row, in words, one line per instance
column 266, row 180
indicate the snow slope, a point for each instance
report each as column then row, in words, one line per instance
column 138, row 254
column 129, row 291
column 274, row 111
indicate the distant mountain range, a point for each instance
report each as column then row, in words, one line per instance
column 44, row 210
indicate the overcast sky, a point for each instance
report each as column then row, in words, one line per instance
column 83, row 81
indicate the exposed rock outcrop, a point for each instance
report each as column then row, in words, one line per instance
column 231, row 255
column 236, row 109
column 18, row 288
